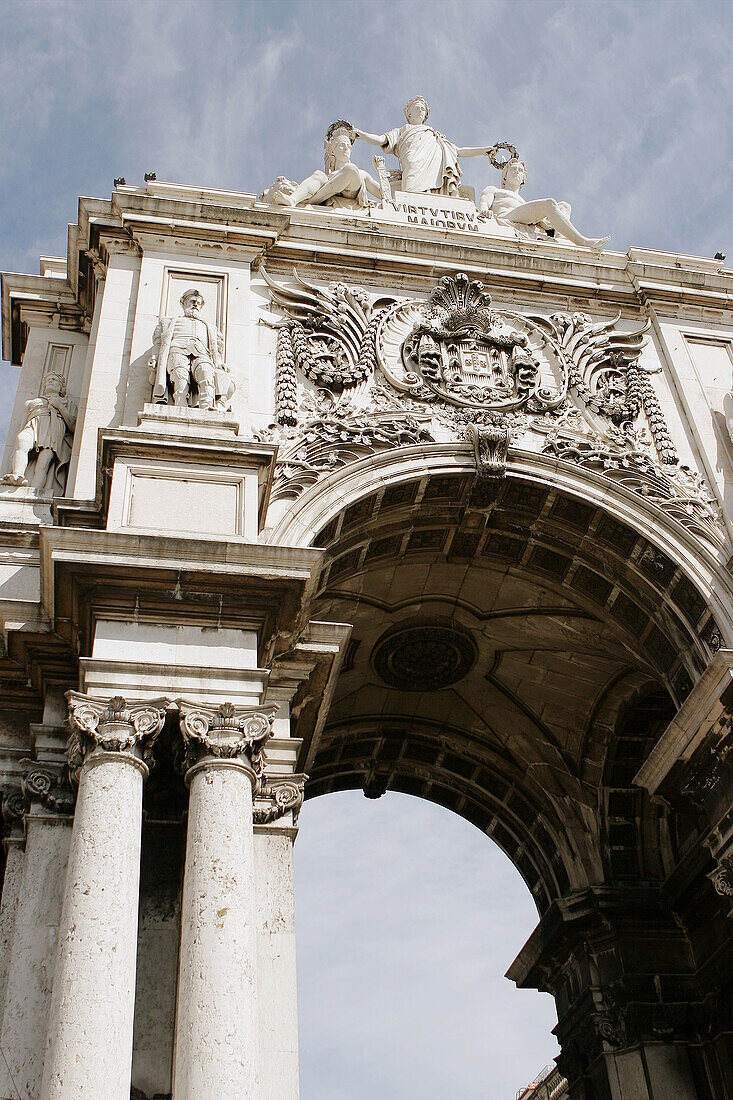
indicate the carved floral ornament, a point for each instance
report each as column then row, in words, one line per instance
column 359, row 373
column 226, row 731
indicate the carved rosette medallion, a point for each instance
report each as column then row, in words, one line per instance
column 227, row 732
column 113, row 725
column 424, row 656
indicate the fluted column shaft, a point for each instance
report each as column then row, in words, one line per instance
column 216, row 1019
column 89, row 1044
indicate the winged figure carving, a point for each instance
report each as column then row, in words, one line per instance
column 328, row 332
column 606, row 373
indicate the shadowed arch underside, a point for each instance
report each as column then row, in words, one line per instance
column 501, row 630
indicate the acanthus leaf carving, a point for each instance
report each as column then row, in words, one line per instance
column 490, row 447
column 226, row 731
column 329, row 441
column 113, row 725
column 678, row 491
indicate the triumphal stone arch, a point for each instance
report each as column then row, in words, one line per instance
column 360, row 484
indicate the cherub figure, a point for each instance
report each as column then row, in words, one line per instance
column 429, row 162
column 43, row 446
column 342, row 185
column 509, row 208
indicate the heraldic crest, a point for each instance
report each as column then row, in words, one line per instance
column 466, row 354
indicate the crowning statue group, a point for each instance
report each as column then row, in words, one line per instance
column 429, row 164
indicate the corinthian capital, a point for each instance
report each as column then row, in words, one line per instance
column 113, row 725
column 226, row 731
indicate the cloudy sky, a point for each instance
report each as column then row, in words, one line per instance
column 408, row 917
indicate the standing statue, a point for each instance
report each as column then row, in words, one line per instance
column 43, row 447
column 429, row 162
column 509, row 208
column 187, row 360
column 342, row 185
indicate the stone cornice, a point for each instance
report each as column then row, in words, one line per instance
column 701, row 713
column 269, row 586
column 195, row 218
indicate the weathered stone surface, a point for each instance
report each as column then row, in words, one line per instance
column 519, row 502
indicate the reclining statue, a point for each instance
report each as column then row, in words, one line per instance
column 509, row 208
column 342, row 185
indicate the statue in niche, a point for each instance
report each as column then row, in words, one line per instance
column 342, row 185
column 43, row 447
column 509, row 208
column 429, row 162
column 186, row 366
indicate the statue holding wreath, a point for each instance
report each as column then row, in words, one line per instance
column 429, row 162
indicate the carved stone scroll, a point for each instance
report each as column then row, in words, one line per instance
column 285, row 795
column 226, row 731
column 113, row 725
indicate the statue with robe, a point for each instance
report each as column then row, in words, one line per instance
column 429, row 162
column 43, row 447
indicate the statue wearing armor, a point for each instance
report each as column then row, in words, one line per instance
column 187, row 359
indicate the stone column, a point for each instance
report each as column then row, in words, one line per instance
column 276, row 814
column 216, row 1021
column 89, row 1044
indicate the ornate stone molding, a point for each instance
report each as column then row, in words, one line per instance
column 113, row 725
column 43, row 785
column 226, row 731
column 722, row 877
column 13, row 813
column 285, row 795
column 677, row 490
column 490, row 448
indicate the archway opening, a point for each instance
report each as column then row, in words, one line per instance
column 406, row 920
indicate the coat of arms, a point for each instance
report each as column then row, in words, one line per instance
column 455, row 348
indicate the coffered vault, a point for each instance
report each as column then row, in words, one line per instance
column 348, row 486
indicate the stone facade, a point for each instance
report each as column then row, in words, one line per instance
column 393, row 492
